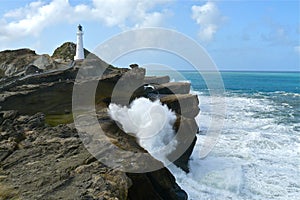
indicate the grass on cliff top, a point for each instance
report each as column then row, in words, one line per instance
column 54, row 120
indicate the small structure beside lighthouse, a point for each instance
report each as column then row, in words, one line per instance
column 79, row 46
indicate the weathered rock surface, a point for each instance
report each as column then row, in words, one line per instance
column 183, row 104
column 44, row 62
column 51, row 92
column 52, row 163
column 15, row 62
column 42, row 162
column 157, row 79
column 173, row 88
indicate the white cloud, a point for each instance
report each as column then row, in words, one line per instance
column 128, row 13
column 33, row 18
column 209, row 18
column 27, row 10
column 36, row 16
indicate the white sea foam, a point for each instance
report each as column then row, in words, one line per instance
column 255, row 157
column 152, row 124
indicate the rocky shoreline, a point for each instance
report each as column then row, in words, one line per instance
column 43, row 159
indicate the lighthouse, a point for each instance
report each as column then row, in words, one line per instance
column 79, row 46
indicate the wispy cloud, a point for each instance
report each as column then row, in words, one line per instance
column 36, row 16
column 209, row 18
column 278, row 34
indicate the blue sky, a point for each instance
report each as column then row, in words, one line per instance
column 238, row 35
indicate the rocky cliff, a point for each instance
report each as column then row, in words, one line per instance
column 42, row 155
column 16, row 62
column 67, row 51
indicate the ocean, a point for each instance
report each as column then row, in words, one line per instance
column 257, row 154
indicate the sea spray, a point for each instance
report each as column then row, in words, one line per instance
column 150, row 122
column 257, row 154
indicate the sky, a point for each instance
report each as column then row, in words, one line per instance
column 257, row 35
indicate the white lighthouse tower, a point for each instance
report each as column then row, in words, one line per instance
column 79, row 46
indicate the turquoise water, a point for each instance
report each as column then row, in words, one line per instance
column 250, row 82
column 257, row 155
column 262, row 82
column 281, row 88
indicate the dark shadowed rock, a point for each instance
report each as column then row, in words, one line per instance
column 133, row 66
column 159, row 184
column 32, row 69
column 186, row 129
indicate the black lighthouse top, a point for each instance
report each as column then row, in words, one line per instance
column 79, row 27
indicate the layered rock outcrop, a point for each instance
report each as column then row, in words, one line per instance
column 39, row 161
column 15, row 62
